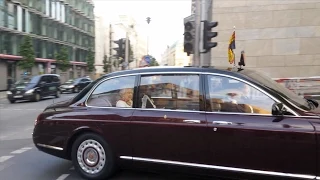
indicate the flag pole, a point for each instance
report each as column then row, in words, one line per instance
column 234, row 55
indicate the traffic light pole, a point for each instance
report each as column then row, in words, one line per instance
column 196, row 56
column 206, row 14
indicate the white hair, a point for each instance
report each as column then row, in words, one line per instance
column 123, row 91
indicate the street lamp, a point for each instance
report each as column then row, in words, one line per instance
column 148, row 21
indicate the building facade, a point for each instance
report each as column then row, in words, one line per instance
column 51, row 24
column 101, row 44
column 174, row 55
column 280, row 38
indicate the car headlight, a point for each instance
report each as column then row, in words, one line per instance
column 9, row 92
column 71, row 86
column 30, row 91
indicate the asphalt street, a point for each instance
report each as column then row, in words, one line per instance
column 20, row 160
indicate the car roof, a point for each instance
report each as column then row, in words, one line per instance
column 204, row 69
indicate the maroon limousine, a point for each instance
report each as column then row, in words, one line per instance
column 212, row 121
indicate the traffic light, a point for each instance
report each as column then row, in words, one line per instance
column 121, row 48
column 148, row 20
column 208, row 35
column 189, row 36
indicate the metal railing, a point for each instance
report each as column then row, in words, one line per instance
column 304, row 86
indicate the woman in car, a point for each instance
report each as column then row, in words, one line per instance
column 125, row 98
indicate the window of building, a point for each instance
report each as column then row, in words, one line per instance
column 175, row 92
column 116, row 92
column 230, row 95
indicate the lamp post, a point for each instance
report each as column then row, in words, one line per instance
column 148, row 21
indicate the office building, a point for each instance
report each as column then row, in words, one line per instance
column 51, row 24
column 174, row 55
column 280, row 38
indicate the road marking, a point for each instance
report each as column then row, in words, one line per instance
column 4, row 158
column 63, row 176
column 29, row 128
column 72, row 168
column 27, row 148
column 19, row 151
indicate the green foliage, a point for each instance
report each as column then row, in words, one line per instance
column 153, row 62
column 106, row 64
column 90, row 61
column 63, row 59
column 27, row 53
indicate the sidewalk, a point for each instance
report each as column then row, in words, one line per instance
column 3, row 94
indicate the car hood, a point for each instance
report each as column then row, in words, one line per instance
column 21, row 87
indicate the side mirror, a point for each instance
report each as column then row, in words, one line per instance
column 278, row 109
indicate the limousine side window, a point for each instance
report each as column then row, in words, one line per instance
column 230, row 95
column 175, row 92
column 116, row 92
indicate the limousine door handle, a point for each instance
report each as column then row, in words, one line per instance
column 192, row 121
column 222, row 122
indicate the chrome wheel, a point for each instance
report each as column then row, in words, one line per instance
column 91, row 156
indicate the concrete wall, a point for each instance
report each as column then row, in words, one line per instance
column 279, row 37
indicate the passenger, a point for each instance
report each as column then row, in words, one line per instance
column 125, row 98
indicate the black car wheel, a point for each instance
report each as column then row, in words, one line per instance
column 12, row 101
column 92, row 157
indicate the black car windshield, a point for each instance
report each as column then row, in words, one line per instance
column 289, row 95
column 28, row 80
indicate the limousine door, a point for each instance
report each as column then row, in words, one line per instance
column 245, row 137
column 167, row 135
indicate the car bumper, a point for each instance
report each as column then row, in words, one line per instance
column 65, row 89
column 20, row 97
column 47, row 148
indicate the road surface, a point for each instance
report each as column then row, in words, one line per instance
column 19, row 159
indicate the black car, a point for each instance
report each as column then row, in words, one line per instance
column 75, row 85
column 34, row 88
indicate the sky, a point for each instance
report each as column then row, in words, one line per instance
column 166, row 26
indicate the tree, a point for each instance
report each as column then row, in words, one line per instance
column 153, row 62
column 90, row 61
column 63, row 59
column 27, row 53
column 106, row 64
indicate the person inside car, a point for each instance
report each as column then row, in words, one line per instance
column 125, row 98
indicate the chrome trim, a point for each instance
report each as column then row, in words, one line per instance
column 187, row 72
column 50, row 147
column 222, row 122
column 221, row 167
column 191, row 121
